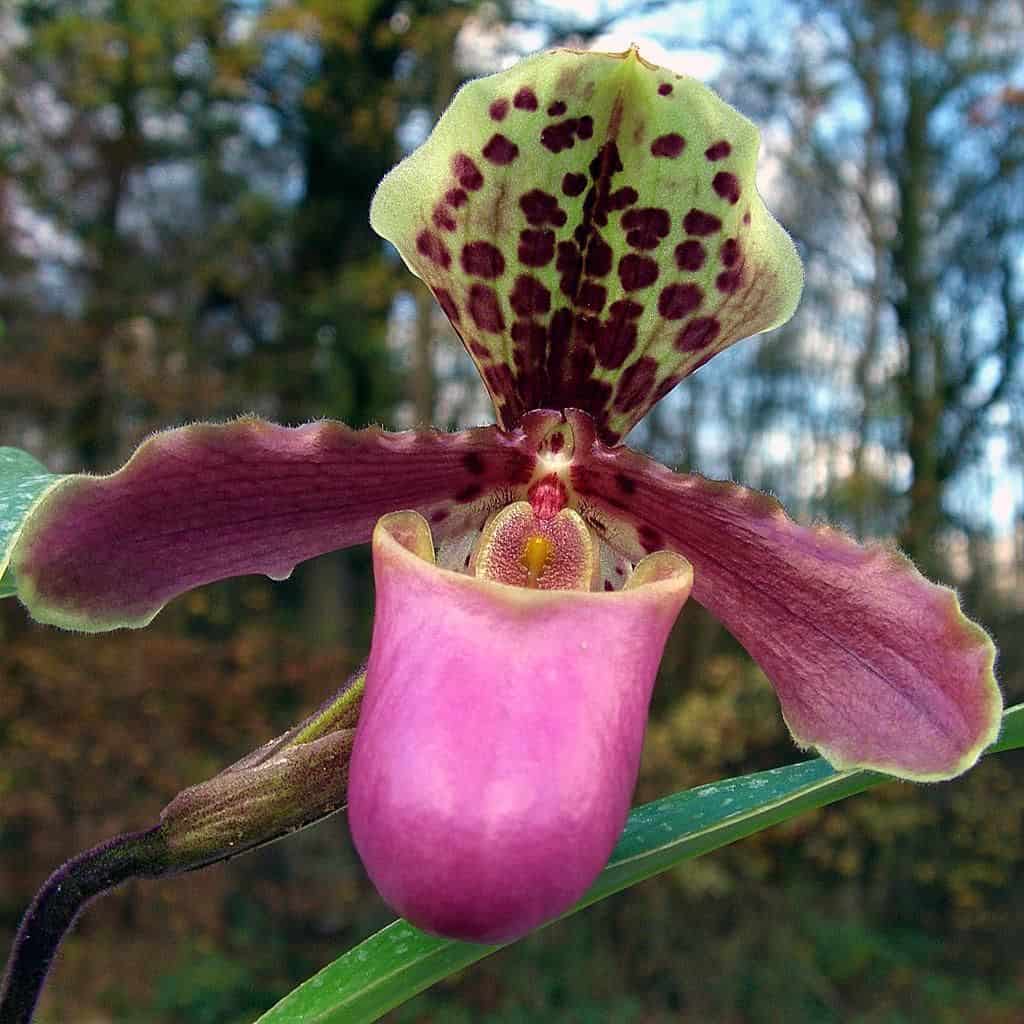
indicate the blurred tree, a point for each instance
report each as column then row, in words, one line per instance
column 117, row 142
column 906, row 141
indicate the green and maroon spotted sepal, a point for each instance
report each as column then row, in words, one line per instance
column 590, row 224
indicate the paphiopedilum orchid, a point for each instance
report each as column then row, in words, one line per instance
column 591, row 227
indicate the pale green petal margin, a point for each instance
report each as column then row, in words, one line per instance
column 23, row 482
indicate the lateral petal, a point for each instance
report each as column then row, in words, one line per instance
column 206, row 502
column 874, row 665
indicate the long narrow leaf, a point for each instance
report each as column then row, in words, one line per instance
column 22, row 481
column 401, row 961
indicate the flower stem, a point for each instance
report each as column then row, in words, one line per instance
column 58, row 903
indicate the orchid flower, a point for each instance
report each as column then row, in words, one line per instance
column 591, row 227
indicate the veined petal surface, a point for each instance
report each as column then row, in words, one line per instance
column 499, row 738
column 874, row 665
column 590, row 224
column 206, row 502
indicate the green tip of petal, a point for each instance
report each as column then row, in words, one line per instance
column 590, row 224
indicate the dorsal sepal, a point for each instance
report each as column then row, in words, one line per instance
column 590, row 224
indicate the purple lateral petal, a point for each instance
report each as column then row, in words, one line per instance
column 206, row 502
column 874, row 665
column 591, row 226
column 499, row 739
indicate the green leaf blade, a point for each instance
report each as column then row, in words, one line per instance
column 400, row 961
column 23, row 480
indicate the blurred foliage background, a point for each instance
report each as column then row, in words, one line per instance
column 184, row 188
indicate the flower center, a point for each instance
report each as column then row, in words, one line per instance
column 524, row 549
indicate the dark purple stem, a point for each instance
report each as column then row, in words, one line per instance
column 59, row 902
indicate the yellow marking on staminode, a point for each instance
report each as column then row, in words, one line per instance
column 537, row 553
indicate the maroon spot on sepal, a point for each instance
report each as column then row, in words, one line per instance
column 525, row 99
column 608, row 585
column 455, row 197
column 729, row 252
column 498, row 109
column 560, row 135
column 690, row 255
column 499, row 380
column 636, row 384
column 500, row 150
column 591, row 297
column 626, row 309
column 536, row 248
column 482, row 259
column 557, row 109
column 665, row 89
column 570, row 265
column 670, row 145
column 428, row 244
column 560, row 330
column 443, row 218
column 474, row 463
column 485, row 309
column 586, row 330
column 531, row 339
column 589, row 394
column 542, row 208
column 718, row 150
column 727, row 185
column 574, row 184
column 467, row 173
column 478, row 350
column 645, row 227
column 729, row 281
column 746, row 217
column 636, row 272
column 677, row 300
column 447, row 303
column 617, row 337
column 606, row 162
column 698, row 222
column 599, row 259
column 529, row 297
column 586, row 127
column 621, row 198
column 697, row 334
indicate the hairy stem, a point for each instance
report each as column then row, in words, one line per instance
column 58, row 903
